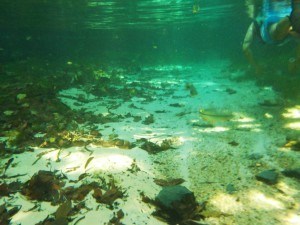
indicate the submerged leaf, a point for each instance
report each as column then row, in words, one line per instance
column 63, row 210
column 88, row 162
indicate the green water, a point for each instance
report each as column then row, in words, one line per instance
column 132, row 34
column 140, row 31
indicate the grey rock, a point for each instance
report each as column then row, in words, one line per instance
column 230, row 189
column 177, row 202
column 294, row 173
column 267, row 176
column 255, row 156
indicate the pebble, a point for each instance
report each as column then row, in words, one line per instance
column 267, row 176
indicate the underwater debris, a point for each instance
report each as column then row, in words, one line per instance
column 123, row 144
column 88, row 162
column 167, row 144
column 116, row 220
column 6, row 214
column 11, row 188
column 154, row 148
column 4, row 190
column 160, row 111
column 43, row 186
column 134, row 167
column 60, row 217
column 39, row 156
column 35, row 109
column 107, row 193
column 230, row 91
column 114, row 142
column 191, row 88
column 176, row 105
column 63, row 210
column 82, row 176
column 213, row 115
column 202, row 125
column 149, row 119
column 111, row 194
column 137, row 118
column 133, row 106
column 95, row 133
column 7, row 164
column 67, row 139
column 79, row 193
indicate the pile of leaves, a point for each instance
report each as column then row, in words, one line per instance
column 49, row 186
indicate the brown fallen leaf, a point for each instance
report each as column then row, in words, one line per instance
column 63, row 210
column 88, row 162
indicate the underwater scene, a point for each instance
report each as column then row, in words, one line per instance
column 150, row 112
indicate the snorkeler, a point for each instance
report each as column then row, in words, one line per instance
column 276, row 22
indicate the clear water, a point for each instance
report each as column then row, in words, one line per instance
column 170, row 31
column 125, row 96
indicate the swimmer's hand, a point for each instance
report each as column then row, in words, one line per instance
column 295, row 35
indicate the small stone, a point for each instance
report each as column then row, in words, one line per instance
column 267, row 176
column 230, row 189
column 230, row 91
column 294, row 173
column 255, row 156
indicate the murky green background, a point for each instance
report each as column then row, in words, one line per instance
column 135, row 31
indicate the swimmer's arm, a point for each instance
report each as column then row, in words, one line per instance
column 296, row 37
column 298, row 53
column 248, row 40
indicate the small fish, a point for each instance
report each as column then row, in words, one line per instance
column 88, row 162
column 215, row 116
